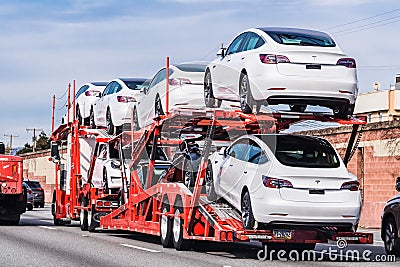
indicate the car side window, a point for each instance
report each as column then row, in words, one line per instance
column 235, row 46
column 118, row 88
column 161, row 75
column 255, row 154
column 239, row 150
column 252, row 41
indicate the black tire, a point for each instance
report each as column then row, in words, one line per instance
column 209, row 180
column 79, row 116
column 136, row 125
column 36, row 205
column 209, row 100
column 83, row 216
column 105, row 180
column 390, row 237
column 92, row 223
column 109, row 123
column 30, row 207
column 92, row 123
column 246, row 99
column 158, row 109
column 341, row 112
column 247, row 212
column 297, row 108
column 188, row 174
column 177, row 229
column 41, row 205
column 166, row 228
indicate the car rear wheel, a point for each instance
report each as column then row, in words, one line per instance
column 390, row 238
column 158, row 109
column 188, row 174
column 110, row 124
column 210, row 189
column 297, row 108
column 246, row 99
column 247, row 212
column 79, row 116
column 136, row 125
column 209, row 99
column 92, row 121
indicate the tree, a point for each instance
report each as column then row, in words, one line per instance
column 26, row 149
column 43, row 142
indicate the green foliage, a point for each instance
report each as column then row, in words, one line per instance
column 42, row 143
column 26, row 149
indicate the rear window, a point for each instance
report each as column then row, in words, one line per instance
column 301, row 38
column 191, row 67
column 134, row 85
column 302, row 151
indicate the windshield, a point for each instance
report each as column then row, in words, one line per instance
column 301, row 37
column 302, row 151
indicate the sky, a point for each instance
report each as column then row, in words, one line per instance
column 47, row 44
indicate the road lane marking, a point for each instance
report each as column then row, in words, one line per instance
column 141, row 248
column 48, row 227
column 45, row 220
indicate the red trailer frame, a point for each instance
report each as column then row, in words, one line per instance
column 170, row 210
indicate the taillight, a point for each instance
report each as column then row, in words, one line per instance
column 352, row 186
column 179, row 81
column 126, row 99
column 92, row 93
column 273, row 59
column 275, row 183
column 30, row 191
column 347, row 62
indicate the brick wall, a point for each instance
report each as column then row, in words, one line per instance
column 376, row 163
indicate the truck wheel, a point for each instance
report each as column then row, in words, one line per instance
column 166, row 228
column 210, row 189
column 390, row 238
column 83, row 216
column 41, row 205
column 247, row 212
column 92, row 223
column 177, row 228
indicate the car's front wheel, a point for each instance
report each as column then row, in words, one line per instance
column 92, row 121
column 209, row 99
column 390, row 238
column 209, row 179
column 79, row 116
column 246, row 99
column 136, row 125
column 158, row 109
column 247, row 212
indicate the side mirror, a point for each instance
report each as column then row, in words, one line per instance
column 398, row 184
column 221, row 52
column 222, row 151
column 54, row 152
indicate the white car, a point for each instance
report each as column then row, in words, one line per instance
column 86, row 95
column 283, row 66
column 115, row 104
column 276, row 179
column 185, row 89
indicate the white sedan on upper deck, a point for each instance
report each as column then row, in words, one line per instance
column 283, row 66
column 280, row 179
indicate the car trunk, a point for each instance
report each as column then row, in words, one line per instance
column 312, row 64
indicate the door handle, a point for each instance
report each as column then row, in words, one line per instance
column 228, row 60
column 243, row 57
column 245, row 172
column 230, row 165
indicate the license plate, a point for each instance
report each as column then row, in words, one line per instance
column 283, row 234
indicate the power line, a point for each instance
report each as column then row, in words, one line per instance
column 359, row 20
column 366, row 25
column 66, row 91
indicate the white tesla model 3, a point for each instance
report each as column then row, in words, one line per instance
column 285, row 179
column 283, row 66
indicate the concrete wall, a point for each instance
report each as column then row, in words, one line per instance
column 376, row 163
column 38, row 167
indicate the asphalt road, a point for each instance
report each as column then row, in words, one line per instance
column 37, row 242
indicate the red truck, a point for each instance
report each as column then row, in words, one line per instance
column 12, row 200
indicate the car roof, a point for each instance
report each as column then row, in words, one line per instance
column 99, row 83
column 132, row 79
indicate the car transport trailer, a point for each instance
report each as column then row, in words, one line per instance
column 167, row 207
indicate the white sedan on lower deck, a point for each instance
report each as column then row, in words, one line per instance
column 285, row 179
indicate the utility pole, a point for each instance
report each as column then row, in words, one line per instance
column 11, row 140
column 34, row 136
